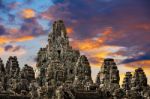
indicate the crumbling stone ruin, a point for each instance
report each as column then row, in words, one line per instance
column 66, row 74
column 12, row 86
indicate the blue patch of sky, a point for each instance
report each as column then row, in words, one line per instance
column 44, row 24
column 32, row 47
column 38, row 5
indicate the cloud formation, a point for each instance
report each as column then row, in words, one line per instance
column 8, row 39
column 12, row 48
column 28, row 30
column 128, row 23
column 99, row 28
column 28, row 13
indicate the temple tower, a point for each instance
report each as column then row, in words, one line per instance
column 12, row 67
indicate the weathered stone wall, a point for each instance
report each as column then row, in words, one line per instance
column 13, row 97
column 65, row 74
column 88, row 95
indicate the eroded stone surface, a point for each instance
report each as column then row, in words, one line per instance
column 65, row 74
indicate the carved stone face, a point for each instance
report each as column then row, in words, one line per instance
column 133, row 82
column 1, row 83
column 79, row 70
column 144, row 82
column 102, row 80
column 86, row 71
column 87, row 77
column 114, row 79
column 59, row 76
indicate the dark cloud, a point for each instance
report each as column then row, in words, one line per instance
column 129, row 21
column 81, row 15
column 2, row 30
column 31, row 27
column 8, row 47
column 58, row 1
column 28, row 30
column 87, row 19
column 145, row 56
column 6, row 11
column 139, row 53
column 12, row 48
column 2, row 4
column 5, row 7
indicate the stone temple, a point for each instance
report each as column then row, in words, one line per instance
column 66, row 74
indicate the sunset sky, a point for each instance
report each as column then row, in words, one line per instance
column 118, row 29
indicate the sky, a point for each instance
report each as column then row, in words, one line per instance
column 118, row 29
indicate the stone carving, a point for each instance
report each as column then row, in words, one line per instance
column 127, row 81
column 82, row 72
column 1, row 88
column 57, row 60
column 33, row 89
column 27, row 73
column 2, row 76
column 22, row 87
column 65, row 74
column 2, row 68
column 108, row 76
column 12, row 67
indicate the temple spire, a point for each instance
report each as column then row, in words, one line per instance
column 58, row 39
column 59, row 29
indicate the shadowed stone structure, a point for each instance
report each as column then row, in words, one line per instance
column 66, row 74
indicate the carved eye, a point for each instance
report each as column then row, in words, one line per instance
column 71, row 71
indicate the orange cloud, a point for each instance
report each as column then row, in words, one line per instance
column 97, row 55
column 1, row 50
column 4, row 39
column 87, row 44
column 46, row 16
column 96, row 49
column 95, row 61
column 25, row 38
column 107, row 31
column 69, row 30
column 102, row 54
column 90, row 44
column 143, row 63
column 28, row 13
column 92, row 48
column 13, row 31
column 144, row 26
